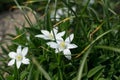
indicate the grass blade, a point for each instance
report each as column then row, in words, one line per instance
column 46, row 75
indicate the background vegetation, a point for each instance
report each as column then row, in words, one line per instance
column 96, row 27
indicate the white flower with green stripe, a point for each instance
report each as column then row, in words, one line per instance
column 18, row 57
column 52, row 35
column 63, row 45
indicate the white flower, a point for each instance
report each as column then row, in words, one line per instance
column 19, row 57
column 52, row 35
column 61, row 45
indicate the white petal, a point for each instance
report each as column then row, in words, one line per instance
column 57, row 51
column 52, row 44
column 71, row 46
column 70, row 38
column 67, row 54
column 60, row 34
column 11, row 62
column 55, row 30
column 24, row 51
column 19, row 49
column 12, row 55
column 45, row 32
column 18, row 63
column 61, row 49
column 40, row 36
column 46, row 38
column 59, row 40
column 25, row 61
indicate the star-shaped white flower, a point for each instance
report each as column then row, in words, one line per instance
column 52, row 35
column 65, row 46
column 19, row 57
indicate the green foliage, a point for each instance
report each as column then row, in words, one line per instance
column 96, row 29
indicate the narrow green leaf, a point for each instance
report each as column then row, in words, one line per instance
column 4, row 50
column 30, row 73
column 79, row 76
column 23, row 75
column 1, row 77
column 102, row 79
column 98, row 74
column 109, row 48
column 93, row 71
column 46, row 75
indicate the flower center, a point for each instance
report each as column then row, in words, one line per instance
column 62, row 45
column 19, row 57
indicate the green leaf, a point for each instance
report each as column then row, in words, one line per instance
column 93, row 71
column 102, row 79
column 23, row 74
column 9, row 78
column 30, row 73
column 46, row 75
column 79, row 76
column 98, row 74
column 109, row 48
column 4, row 50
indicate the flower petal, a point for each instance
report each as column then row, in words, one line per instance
column 18, row 63
column 61, row 34
column 12, row 55
column 61, row 49
column 55, row 30
column 57, row 51
column 52, row 44
column 60, row 40
column 11, row 62
column 67, row 54
column 70, row 38
column 25, row 61
column 24, row 51
column 40, row 36
column 19, row 49
column 45, row 32
column 71, row 46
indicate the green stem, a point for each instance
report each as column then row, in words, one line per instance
column 60, row 73
column 16, row 74
column 55, row 10
column 46, row 14
column 58, row 57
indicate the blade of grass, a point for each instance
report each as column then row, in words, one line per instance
column 81, row 67
column 30, row 73
column 26, row 16
column 109, row 48
column 1, row 76
column 47, row 14
column 69, row 7
column 100, row 36
column 46, row 75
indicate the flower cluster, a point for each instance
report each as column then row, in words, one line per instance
column 57, row 42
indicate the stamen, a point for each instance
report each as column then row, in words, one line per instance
column 19, row 57
column 62, row 45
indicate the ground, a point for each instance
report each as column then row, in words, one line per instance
column 10, row 19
